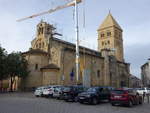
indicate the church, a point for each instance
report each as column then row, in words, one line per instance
column 52, row 60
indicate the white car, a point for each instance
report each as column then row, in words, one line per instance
column 49, row 91
column 39, row 91
column 141, row 91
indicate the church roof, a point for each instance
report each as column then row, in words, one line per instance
column 108, row 22
column 50, row 66
column 35, row 51
column 81, row 48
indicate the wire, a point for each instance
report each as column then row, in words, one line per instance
column 83, row 13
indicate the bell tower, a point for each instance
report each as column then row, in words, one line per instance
column 110, row 37
column 43, row 36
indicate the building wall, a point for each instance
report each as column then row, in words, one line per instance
column 135, row 82
column 145, row 74
column 64, row 57
column 50, row 76
column 91, row 63
column 103, row 69
column 34, row 78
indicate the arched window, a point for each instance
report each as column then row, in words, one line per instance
column 98, row 73
column 42, row 30
column 43, row 44
column 39, row 30
column 36, row 45
column 102, row 34
column 39, row 45
column 108, row 33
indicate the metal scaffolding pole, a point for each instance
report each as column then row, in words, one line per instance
column 77, row 42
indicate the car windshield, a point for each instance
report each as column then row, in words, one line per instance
column 39, row 88
column 47, row 87
column 118, row 92
column 140, row 88
column 67, row 89
column 92, row 90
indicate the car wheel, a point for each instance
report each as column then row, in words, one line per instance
column 130, row 103
column 58, row 98
column 41, row 95
column 112, row 104
column 94, row 101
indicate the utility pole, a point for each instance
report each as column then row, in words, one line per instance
column 77, row 43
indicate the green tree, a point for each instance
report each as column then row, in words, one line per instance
column 17, row 66
column 3, row 68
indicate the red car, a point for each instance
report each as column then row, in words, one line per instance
column 127, row 97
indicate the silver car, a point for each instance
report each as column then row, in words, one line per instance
column 49, row 91
column 57, row 92
column 39, row 91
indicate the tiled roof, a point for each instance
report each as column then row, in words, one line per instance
column 109, row 21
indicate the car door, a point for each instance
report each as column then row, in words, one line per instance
column 104, row 93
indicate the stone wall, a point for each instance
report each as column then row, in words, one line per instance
column 65, row 58
column 50, row 77
column 35, row 61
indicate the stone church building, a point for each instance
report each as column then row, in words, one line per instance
column 52, row 60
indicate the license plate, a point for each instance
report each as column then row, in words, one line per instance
column 117, row 96
column 81, row 97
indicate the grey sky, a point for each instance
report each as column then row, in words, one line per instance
column 132, row 15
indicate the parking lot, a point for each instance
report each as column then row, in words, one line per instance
column 27, row 103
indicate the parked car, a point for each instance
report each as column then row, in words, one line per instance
column 49, row 91
column 58, row 92
column 39, row 91
column 70, row 93
column 141, row 91
column 125, row 97
column 95, row 94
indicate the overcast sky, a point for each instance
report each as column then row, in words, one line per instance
column 132, row 15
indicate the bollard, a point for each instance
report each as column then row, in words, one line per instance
column 147, row 97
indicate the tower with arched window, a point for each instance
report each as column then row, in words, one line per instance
column 110, row 37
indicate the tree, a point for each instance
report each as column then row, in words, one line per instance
column 3, row 68
column 17, row 66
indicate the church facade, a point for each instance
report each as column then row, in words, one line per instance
column 52, row 60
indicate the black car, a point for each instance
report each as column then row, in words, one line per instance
column 70, row 93
column 95, row 94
